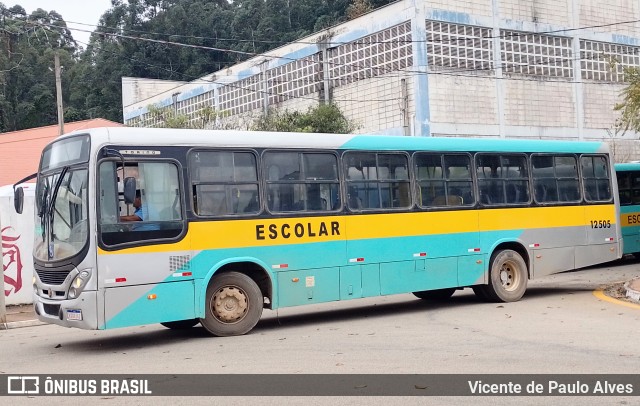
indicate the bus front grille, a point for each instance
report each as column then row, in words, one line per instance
column 52, row 277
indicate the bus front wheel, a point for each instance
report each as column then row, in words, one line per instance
column 508, row 278
column 233, row 305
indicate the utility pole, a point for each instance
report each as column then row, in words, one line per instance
column 59, row 94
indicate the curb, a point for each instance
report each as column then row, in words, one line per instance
column 633, row 290
column 18, row 324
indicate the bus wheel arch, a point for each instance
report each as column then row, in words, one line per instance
column 235, row 297
column 509, row 273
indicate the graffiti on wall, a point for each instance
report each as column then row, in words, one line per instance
column 11, row 261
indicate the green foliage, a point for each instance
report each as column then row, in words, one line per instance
column 325, row 118
column 205, row 118
column 629, row 108
column 358, row 8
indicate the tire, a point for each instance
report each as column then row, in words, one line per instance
column 508, row 277
column 435, row 295
column 181, row 324
column 234, row 305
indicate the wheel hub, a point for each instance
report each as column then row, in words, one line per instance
column 506, row 276
column 229, row 304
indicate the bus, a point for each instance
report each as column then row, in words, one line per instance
column 231, row 222
column 628, row 176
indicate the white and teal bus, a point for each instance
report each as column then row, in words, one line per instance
column 628, row 175
column 234, row 222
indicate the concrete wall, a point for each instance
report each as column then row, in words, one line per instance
column 17, row 246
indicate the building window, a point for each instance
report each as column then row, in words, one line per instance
column 605, row 61
column 386, row 51
column 536, row 54
column 456, row 46
column 295, row 79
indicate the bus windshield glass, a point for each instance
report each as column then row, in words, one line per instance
column 68, row 151
column 61, row 226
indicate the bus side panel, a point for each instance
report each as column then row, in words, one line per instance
column 471, row 270
column 602, row 236
column 169, row 301
column 370, row 280
column 403, row 277
column 630, row 224
column 350, row 282
column 553, row 260
column 308, row 286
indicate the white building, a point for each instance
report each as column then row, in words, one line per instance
column 503, row 68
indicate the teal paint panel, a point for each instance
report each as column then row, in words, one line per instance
column 370, row 280
column 399, row 277
column 470, row 272
column 174, row 301
column 404, row 248
column 350, row 282
column 308, row 286
column 391, row 143
column 402, row 277
column 296, row 256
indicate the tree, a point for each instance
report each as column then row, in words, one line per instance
column 629, row 108
column 358, row 8
column 325, row 118
column 205, row 118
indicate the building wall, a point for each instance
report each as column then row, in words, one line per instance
column 478, row 7
column 381, row 106
column 599, row 99
column 539, row 103
column 600, row 14
column 539, row 11
column 461, row 99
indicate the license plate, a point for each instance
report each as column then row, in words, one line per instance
column 74, row 314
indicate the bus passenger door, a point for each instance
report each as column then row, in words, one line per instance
column 144, row 259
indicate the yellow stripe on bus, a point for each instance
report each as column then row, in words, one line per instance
column 630, row 219
column 298, row 230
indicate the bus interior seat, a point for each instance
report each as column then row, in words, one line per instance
column 451, row 200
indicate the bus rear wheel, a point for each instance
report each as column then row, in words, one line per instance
column 234, row 305
column 437, row 294
column 508, row 278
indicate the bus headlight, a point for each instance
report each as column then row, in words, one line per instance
column 78, row 283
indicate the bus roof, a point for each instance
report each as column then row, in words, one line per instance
column 259, row 139
column 628, row 166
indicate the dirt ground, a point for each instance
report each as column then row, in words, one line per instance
column 617, row 291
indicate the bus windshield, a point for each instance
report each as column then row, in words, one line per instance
column 61, row 226
column 61, row 215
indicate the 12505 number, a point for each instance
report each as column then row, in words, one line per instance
column 600, row 223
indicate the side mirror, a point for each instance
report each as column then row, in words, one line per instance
column 129, row 190
column 18, row 199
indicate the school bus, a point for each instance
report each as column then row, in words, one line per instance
column 174, row 226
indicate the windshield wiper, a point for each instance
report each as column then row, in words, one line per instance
column 54, row 196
